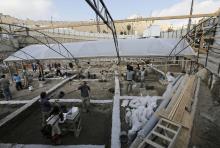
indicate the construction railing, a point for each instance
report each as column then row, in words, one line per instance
column 204, row 38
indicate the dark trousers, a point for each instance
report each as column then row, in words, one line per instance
column 7, row 94
column 58, row 73
column 18, row 85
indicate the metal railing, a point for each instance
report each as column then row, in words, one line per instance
column 193, row 36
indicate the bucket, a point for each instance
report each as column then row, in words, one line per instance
column 124, row 137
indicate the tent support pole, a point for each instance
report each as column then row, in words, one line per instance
column 16, row 68
column 9, row 70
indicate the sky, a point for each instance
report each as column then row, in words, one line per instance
column 78, row 10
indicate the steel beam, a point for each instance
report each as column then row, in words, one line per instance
column 101, row 10
column 125, row 20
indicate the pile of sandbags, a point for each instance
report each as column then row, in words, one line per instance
column 138, row 112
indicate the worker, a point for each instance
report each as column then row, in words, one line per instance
column 55, row 115
column 88, row 75
column 25, row 76
column 79, row 72
column 137, row 73
column 49, row 67
column 103, row 79
column 58, row 71
column 17, row 80
column 4, row 84
column 34, row 67
column 138, row 67
column 41, row 71
column 45, row 107
column 85, row 94
column 129, row 79
column 142, row 76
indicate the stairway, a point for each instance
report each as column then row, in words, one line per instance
column 163, row 135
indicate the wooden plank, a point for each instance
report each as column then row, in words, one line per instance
column 161, row 136
column 187, row 120
column 171, row 122
column 189, row 104
column 181, row 139
column 175, row 123
column 167, row 129
column 79, row 24
column 15, row 102
column 162, row 112
column 175, row 137
column 156, row 145
column 184, row 98
column 179, row 115
column 183, row 102
column 175, row 96
column 177, row 103
column 142, row 145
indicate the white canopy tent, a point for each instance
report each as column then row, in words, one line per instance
column 104, row 48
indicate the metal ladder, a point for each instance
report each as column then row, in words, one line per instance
column 162, row 135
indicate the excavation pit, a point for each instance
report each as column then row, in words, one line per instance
column 96, row 127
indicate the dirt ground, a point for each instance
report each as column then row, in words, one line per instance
column 25, row 94
column 152, row 79
column 206, row 129
column 7, row 109
column 171, row 68
column 96, row 129
column 99, row 90
column 124, row 125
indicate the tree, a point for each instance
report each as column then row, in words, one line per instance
column 128, row 28
column 121, row 33
column 170, row 29
column 104, row 31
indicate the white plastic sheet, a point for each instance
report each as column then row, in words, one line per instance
column 105, row 48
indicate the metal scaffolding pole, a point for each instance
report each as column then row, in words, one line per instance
column 102, row 11
column 190, row 19
column 98, row 19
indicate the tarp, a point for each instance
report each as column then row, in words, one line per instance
column 104, row 48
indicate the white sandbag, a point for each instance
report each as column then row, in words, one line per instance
column 30, row 88
column 169, row 77
column 128, row 117
column 125, row 103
